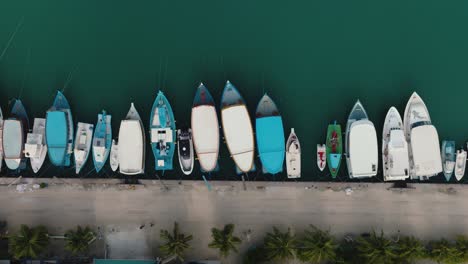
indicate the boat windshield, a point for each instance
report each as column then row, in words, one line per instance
column 420, row 123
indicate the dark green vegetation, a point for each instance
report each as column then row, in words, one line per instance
column 77, row 241
column 175, row 242
column 314, row 58
column 224, row 240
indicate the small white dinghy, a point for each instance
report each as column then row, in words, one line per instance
column 36, row 148
column 293, row 156
column 83, row 139
column 185, row 150
column 114, row 156
column 460, row 164
column 321, row 156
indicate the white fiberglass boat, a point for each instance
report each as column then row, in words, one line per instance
column 131, row 151
column 460, row 164
column 321, row 156
column 114, row 156
column 83, row 139
column 293, row 156
column 395, row 157
column 36, row 148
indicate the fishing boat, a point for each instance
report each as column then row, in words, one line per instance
column 205, row 129
column 361, row 144
column 293, row 156
column 423, row 140
column 162, row 131
column 102, row 140
column 460, row 164
column 114, row 156
column 394, row 148
column 1, row 139
column 131, row 148
column 14, row 133
column 321, row 156
column 83, row 140
column 270, row 135
column 448, row 158
column 59, row 132
column 237, row 128
column 35, row 148
column 185, row 150
column 334, row 148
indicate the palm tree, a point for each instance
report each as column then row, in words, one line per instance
column 443, row 251
column 77, row 241
column 254, row 255
column 175, row 243
column 28, row 242
column 461, row 244
column 410, row 249
column 376, row 249
column 224, row 240
column 316, row 246
column 280, row 246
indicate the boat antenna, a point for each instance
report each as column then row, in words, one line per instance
column 18, row 26
column 69, row 78
column 25, row 71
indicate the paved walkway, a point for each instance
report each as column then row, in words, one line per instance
column 427, row 210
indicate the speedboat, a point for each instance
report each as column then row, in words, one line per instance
column 36, row 148
column 395, row 157
column 237, row 127
column 131, row 150
column 293, row 156
column 114, row 156
column 270, row 135
column 162, row 129
column 334, row 148
column 448, row 158
column 205, row 129
column 84, row 137
column 361, row 144
column 321, row 156
column 460, row 164
column 59, row 132
column 14, row 133
column 102, row 140
column 423, row 140
column 185, row 150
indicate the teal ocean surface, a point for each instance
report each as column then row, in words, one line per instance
column 314, row 58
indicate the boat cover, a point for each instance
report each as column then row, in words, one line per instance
column 12, row 139
column 426, row 151
column 270, row 141
column 56, row 136
column 131, row 150
column 397, row 155
column 363, row 153
column 205, row 134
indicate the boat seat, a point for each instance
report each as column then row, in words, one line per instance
column 32, row 150
column 161, row 134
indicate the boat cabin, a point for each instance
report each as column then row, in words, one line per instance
column 363, row 153
column 397, row 165
column 131, row 147
column 427, row 161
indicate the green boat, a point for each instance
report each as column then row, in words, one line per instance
column 334, row 148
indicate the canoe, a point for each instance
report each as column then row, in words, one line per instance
column 102, row 140
column 14, row 133
column 321, row 156
column 237, row 128
column 293, row 156
column 185, row 150
column 334, row 148
column 114, row 156
column 83, row 140
column 269, row 135
column 395, row 157
column 448, row 158
column 205, row 129
column 460, row 164
column 35, row 148
column 131, row 150
column 59, row 132
column 162, row 132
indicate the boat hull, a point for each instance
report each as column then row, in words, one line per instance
column 185, row 150
column 83, row 140
column 131, row 148
column 102, row 141
column 36, row 148
column 14, row 135
column 395, row 159
column 293, row 156
column 334, row 149
column 460, row 164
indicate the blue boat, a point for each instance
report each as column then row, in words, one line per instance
column 102, row 140
column 448, row 158
column 270, row 135
column 15, row 129
column 59, row 132
column 162, row 133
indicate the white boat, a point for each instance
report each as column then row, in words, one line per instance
column 293, row 156
column 423, row 140
column 460, row 164
column 131, row 150
column 395, row 157
column 205, row 129
column 361, row 144
column 321, row 156
column 35, row 148
column 185, row 150
column 114, row 156
column 83, row 139
column 1, row 139
column 14, row 134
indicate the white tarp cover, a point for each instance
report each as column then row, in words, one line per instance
column 239, row 136
column 426, row 151
column 12, row 139
column 130, row 151
column 205, row 134
column 363, row 152
column 398, row 154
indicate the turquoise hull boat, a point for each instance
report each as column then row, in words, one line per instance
column 102, row 140
column 270, row 135
column 59, row 132
column 162, row 133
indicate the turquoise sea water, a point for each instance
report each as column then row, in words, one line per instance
column 314, row 58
